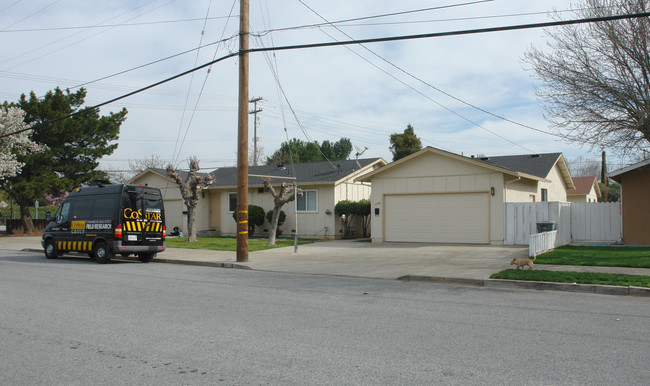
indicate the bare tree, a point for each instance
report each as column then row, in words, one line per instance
column 596, row 77
column 190, row 190
column 137, row 166
column 285, row 195
column 585, row 167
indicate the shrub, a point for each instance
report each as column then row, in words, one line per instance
column 255, row 217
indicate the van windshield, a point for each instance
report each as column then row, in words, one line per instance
column 139, row 200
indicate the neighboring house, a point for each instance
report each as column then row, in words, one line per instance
column 323, row 185
column 587, row 190
column 635, row 194
column 437, row 196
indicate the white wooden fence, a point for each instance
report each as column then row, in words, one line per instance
column 579, row 222
column 543, row 242
column 521, row 220
column 596, row 222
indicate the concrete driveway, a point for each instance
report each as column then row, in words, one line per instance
column 389, row 260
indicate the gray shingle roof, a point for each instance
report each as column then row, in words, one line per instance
column 538, row 165
column 311, row 172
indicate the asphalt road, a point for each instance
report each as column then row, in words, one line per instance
column 72, row 321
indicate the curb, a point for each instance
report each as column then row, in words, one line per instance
column 569, row 287
column 491, row 283
column 440, row 279
column 201, row 263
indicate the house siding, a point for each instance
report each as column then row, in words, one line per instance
column 556, row 188
column 317, row 224
column 636, row 206
column 524, row 190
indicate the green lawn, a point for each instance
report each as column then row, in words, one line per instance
column 227, row 244
column 574, row 277
column 606, row 256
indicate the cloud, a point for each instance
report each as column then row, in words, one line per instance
column 335, row 93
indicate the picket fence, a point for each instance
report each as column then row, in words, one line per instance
column 574, row 222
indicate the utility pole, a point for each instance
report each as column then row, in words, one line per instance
column 254, row 112
column 603, row 174
column 242, row 136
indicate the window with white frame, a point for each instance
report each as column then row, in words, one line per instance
column 308, row 202
column 232, row 202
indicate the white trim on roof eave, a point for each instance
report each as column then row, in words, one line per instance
column 565, row 172
column 368, row 177
column 629, row 168
column 355, row 174
column 147, row 171
column 228, row 187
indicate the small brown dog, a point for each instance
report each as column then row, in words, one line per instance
column 522, row 262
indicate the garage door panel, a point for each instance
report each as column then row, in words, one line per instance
column 447, row 218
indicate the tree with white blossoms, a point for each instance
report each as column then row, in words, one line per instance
column 14, row 140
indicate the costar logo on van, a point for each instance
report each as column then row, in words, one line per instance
column 132, row 214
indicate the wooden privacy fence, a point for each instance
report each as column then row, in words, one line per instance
column 593, row 222
column 579, row 222
column 521, row 220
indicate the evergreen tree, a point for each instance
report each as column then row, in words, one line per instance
column 404, row 144
column 299, row 151
column 74, row 146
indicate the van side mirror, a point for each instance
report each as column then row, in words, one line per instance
column 48, row 216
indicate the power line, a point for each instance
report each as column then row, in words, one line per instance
column 116, row 25
column 375, row 16
column 349, row 42
column 416, row 78
column 205, row 80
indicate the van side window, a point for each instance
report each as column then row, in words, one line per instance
column 104, row 207
column 63, row 214
column 82, row 209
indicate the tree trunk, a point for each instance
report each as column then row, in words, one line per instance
column 28, row 225
column 191, row 234
column 366, row 224
column 346, row 227
column 274, row 225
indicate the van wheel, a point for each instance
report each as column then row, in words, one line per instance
column 102, row 254
column 50, row 249
column 146, row 257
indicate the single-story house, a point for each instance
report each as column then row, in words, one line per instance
column 324, row 184
column 437, row 196
column 587, row 190
column 635, row 200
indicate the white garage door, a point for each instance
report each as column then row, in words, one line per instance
column 438, row 218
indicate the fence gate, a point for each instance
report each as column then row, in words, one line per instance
column 595, row 222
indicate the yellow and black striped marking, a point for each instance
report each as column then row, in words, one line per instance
column 75, row 246
column 139, row 226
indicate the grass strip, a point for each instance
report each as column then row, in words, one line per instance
column 226, row 243
column 604, row 256
column 575, row 277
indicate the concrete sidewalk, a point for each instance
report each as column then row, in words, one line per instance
column 466, row 264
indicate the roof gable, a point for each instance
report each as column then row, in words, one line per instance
column 534, row 167
column 538, row 165
column 583, row 186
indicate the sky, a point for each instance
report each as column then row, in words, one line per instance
column 444, row 87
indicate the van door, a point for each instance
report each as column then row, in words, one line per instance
column 80, row 217
column 143, row 217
